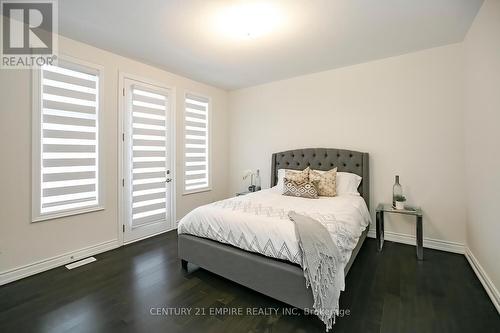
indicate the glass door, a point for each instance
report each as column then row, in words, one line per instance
column 148, row 145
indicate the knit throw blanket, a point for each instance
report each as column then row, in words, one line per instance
column 320, row 262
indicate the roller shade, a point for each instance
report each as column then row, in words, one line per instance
column 69, row 138
column 149, row 160
column 196, row 145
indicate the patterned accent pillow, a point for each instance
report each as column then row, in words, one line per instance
column 298, row 176
column 327, row 182
column 300, row 189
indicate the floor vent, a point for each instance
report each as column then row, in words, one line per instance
column 81, row 263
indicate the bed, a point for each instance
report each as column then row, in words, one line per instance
column 212, row 236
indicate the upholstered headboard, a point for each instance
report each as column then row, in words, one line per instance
column 324, row 159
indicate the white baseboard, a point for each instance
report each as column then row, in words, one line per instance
column 63, row 259
column 488, row 285
column 430, row 243
column 448, row 246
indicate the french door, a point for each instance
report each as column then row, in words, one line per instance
column 148, row 136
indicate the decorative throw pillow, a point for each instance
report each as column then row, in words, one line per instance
column 327, row 182
column 298, row 176
column 300, row 189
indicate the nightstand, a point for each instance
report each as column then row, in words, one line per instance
column 414, row 211
column 243, row 193
column 247, row 192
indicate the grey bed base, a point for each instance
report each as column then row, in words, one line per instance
column 278, row 279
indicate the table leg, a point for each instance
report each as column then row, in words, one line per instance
column 420, row 239
column 380, row 230
column 382, row 219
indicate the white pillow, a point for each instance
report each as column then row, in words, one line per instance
column 347, row 183
column 281, row 178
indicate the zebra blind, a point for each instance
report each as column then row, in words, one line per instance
column 196, row 145
column 149, row 160
column 69, row 139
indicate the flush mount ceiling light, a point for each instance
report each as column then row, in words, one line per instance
column 248, row 19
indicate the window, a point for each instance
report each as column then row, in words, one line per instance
column 196, row 144
column 65, row 140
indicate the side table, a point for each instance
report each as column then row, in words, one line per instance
column 414, row 211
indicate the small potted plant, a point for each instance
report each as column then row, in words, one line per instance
column 400, row 201
column 254, row 179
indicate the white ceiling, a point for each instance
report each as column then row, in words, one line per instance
column 181, row 36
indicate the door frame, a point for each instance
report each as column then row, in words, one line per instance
column 122, row 76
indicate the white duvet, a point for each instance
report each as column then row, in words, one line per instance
column 258, row 222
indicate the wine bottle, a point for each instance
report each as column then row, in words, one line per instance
column 397, row 191
column 257, row 181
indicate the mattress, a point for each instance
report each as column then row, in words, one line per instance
column 258, row 222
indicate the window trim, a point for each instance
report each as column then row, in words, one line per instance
column 209, row 138
column 36, row 142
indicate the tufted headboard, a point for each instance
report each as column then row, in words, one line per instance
column 324, row 159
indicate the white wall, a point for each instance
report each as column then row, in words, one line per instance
column 406, row 111
column 482, row 139
column 23, row 243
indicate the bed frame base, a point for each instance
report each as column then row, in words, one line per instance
column 275, row 278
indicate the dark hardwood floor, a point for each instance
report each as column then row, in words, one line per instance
column 385, row 292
